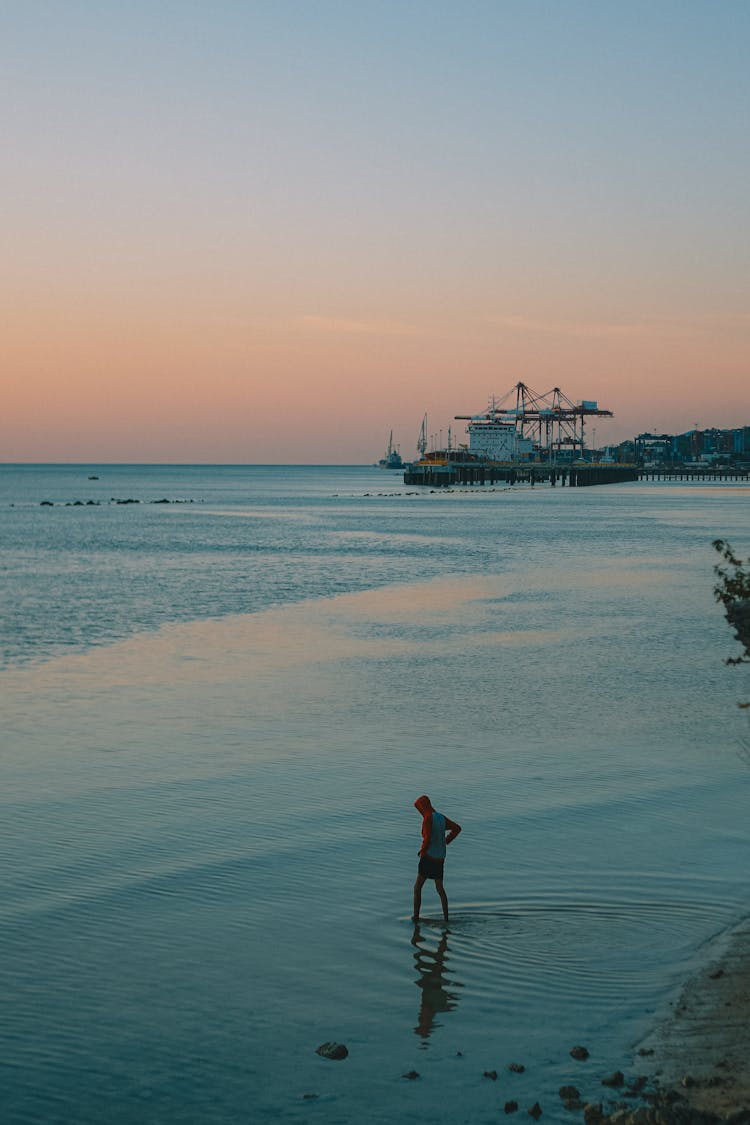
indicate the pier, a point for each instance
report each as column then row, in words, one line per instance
column 444, row 475
column 437, row 474
column 692, row 472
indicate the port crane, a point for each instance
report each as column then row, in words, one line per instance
column 422, row 439
column 551, row 420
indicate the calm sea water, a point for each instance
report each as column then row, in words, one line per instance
column 216, row 716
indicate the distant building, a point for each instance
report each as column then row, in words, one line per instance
column 650, row 448
column 709, row 445
column 622, row 454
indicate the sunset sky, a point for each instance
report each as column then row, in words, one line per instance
column 244, row 231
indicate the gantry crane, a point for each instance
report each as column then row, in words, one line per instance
column 550, row 420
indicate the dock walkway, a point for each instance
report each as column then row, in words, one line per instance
column 478, row 473
column 448, row 474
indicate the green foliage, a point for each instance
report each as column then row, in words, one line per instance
column 733, row 591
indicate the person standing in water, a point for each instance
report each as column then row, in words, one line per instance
column 432, row 852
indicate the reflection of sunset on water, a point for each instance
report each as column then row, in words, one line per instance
column 213, row 730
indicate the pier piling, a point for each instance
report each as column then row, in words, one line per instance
column 447, row 474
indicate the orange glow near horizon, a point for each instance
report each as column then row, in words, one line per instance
column 105, row 384
column 285, row 263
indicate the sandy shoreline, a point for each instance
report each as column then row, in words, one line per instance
column 702, row 1050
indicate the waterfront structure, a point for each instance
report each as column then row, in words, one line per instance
column 435, row 473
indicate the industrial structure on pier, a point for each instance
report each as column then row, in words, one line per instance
column 522, row 426
column 525, row 436
column 526, row 426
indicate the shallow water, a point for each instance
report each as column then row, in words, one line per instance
column 216, row 717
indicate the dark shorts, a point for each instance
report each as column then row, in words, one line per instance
column 431, row 868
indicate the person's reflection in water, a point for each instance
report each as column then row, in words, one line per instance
column 432, row 981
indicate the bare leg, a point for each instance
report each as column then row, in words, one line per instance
column 443, row 897
column 417, row 897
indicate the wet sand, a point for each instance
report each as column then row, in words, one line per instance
column 703, row 1049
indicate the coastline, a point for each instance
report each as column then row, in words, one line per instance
column 701, row 1050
